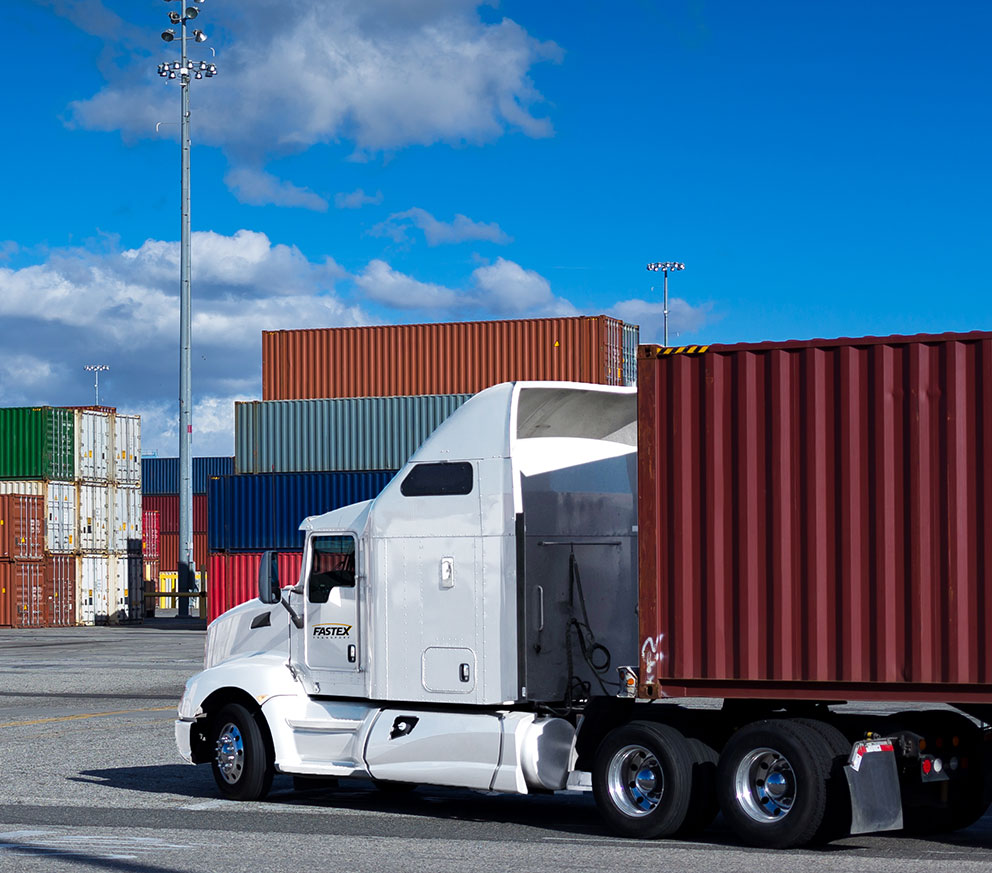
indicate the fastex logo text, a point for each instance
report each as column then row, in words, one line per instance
column 322, row 631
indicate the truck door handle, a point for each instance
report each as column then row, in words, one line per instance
column 463, row 673
column 352, row 654
column 540, row 607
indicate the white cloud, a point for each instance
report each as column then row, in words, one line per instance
column 257, row 188
column 381, row 283
column 507, row 287
column 22, row 371
column 357, row 199
column 683, row 317
column 461, row 229
column 213, row 425
column 377, row 73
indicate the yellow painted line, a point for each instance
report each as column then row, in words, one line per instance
column 87, row 715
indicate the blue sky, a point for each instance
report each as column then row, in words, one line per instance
column 821, row 168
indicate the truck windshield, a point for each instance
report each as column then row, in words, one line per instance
column 332, row 566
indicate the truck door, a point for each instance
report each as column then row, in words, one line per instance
column 331, row 641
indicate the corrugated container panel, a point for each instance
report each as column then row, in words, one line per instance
column 170, row 582
column 22, row 587
column 60, row 590
column 61, row 525
column 150, row 529
column 234, row 578
column 22, row 527
column 33, row 487
column 127, row 590
column 257, row 512
column 815, row 518
column 150, row 573
column 358, row 433
column 161, row 475
column 96, row 509
column 450, row 358
column 94, row 445
column 37, row 443
column 167, row 505
column 97, row 581
column 125, row 534
column 169, row 551
column 127, row 449
column 631, row 339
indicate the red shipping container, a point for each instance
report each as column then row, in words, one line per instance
column 449, row 358
column 233, row 578
column 150, row 527
column 169, row 551
column 60, row 590
column 22, row 591
column 22, row 527
column 814, row 519
column 167, row 506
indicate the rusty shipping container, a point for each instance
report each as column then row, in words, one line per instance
column 22, row 527
column 167, row 506
column 60, row 590
column 22, row 594
column 169, row 551
column 815, row 519
column 448, row 358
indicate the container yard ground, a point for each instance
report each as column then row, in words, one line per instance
column 90, row 780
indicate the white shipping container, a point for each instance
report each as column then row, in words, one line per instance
column 127, row 589
column 95, row 516
column 61, row 530
column 94, row 445
column 92, row 582
column 127, row 519
column 127, row 450
column 31, row 487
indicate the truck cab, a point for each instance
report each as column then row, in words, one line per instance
column 439, row 633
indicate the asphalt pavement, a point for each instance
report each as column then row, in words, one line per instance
column 90, row 780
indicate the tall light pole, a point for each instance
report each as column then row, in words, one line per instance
column 96, row 370
column 185, row 70
column 665, row 267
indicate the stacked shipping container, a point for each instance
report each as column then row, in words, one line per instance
column 80, row 468
column 344, row 408
column 160, row 490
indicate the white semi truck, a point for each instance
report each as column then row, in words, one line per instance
column 476, row 625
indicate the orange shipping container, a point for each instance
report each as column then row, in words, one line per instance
column 22, row 594
column 60, row 590
column 22, row 527
column 450, row 358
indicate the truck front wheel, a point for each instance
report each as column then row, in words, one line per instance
column 241, row 765
column 772, row 783
column 642, row 777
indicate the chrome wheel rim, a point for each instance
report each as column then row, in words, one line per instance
column 230, row 753
column 766, row 785
column 635, row 780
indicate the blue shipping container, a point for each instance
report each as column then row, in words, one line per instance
column 253, row 512
column 161, row 475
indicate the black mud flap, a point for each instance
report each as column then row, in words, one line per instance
column 873, row 778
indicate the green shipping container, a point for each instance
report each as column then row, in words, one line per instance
column 37, row 443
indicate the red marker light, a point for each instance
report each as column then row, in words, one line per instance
column 927, row 766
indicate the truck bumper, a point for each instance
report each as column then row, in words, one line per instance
column 183, row 729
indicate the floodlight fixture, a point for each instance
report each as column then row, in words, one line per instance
column 199, row 36
column 192, row 12
column 665, row 267
column 175, row 17
column 168, row 35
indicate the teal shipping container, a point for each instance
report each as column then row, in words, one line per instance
column 336, row 435
column 37, row 443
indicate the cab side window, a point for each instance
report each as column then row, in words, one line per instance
column 437, row 480
column 332, row 566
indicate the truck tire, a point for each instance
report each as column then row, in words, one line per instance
column 703, row 806
column 241, row 764
column 837, row 818
column 642, row 779
column 772, row 783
